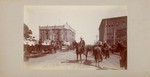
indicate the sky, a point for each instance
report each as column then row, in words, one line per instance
column 85, row 20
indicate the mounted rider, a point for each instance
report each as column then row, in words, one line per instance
column 82, row 43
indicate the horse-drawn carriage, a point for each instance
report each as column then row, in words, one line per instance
column 37, row 50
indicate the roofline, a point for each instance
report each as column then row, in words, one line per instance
column 63, row 26
column 110, row 18
column 114, row 17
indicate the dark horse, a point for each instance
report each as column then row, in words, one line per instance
column 88, row 48
column 97, row 52
column 79, row 50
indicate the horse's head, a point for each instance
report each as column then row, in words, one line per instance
column 75, row 44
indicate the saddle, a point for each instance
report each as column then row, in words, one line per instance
column 80, row 49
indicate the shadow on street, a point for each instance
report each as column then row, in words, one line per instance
column 89, row 63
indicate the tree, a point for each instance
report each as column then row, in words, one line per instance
column 27, row 31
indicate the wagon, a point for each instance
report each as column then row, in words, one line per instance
column 65, row 48
column 36, row 51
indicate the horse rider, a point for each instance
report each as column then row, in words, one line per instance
column 97, row 51
column 82, row 43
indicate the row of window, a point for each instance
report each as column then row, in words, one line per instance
column 57, row 32
column 110, row 26
column 63, row 37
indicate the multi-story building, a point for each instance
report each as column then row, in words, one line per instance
column 113, row 29
column 57, row 33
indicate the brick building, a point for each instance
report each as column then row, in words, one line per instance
column 113, row 29
column 57, row 33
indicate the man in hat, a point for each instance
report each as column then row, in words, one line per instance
column 82, row 43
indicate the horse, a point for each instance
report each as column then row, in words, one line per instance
column 97, row 52
column 79, row 50
column 88, row 48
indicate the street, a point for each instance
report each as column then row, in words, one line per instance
column 67, row 61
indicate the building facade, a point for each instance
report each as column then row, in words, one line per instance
column 114, row 29
column 62, row 33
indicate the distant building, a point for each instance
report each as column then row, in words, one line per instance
column 62, row 33
column 114, row 29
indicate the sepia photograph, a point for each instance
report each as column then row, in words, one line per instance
column 75, row 37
